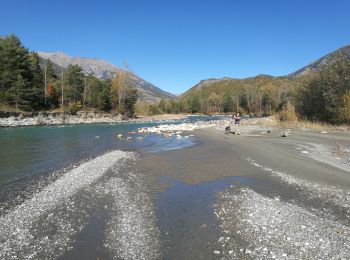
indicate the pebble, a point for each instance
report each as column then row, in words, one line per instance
column 216, row 252
column 247, row 251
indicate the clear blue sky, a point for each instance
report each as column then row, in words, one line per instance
column 174, row 44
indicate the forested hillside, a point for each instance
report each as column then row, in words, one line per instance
column 258, row 95
column 318, row 92
column 103, row 70
column 28, row 84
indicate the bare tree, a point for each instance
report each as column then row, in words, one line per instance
column 62, row 99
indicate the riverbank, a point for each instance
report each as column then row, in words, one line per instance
column 14, row 119
column 258, row 195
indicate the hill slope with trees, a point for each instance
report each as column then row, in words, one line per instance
column 318, row 92
column 101, row 69
column 28, row 83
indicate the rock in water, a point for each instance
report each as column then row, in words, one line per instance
column 285, row 134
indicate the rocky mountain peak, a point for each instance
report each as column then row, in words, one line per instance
column 104, row 70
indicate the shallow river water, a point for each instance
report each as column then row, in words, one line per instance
column 69, row 192
column 80, row 192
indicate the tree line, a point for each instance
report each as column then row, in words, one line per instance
column 259, row 96
column 325, row 96
column 322, row 96
column 29, row 84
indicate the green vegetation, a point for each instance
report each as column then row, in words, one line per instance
column 325, row 96
column 320, row 95
column 27, row 84
column 261, row 95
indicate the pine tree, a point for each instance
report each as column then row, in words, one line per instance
column 195, row 105
column 74, row 78
column 50, row 72
column 14, row 59
column 36, row 82
column 18, row 94
column 129, row 101
column 227, row 103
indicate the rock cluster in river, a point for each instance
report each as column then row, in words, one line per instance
column 169, row 130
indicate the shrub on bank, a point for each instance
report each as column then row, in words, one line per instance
column 288, row 113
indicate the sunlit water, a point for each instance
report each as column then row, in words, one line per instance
column 37, row 162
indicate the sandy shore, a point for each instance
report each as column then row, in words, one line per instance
column 290, row 198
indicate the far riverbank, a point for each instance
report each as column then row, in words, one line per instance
column 18, row 119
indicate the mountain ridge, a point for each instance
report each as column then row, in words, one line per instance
column 305, row 71
column 105, row 70
column 319, row 63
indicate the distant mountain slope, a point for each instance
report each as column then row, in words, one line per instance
column 284, row 83
column 236, row 86
column 317, row 65
column 104, row 70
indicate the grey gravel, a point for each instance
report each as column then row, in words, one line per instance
column 331, row 194
column 131, row 231
column 44, row 225
column 262, row 228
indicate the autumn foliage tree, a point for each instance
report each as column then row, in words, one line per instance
column 325, row 96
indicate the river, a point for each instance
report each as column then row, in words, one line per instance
column 60, row 184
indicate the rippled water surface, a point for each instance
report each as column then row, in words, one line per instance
column 29, row 151
column 43, row 200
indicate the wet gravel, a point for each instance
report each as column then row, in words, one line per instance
column 45, row 225
column 328, row 194
column 259, row 227
column 256, row 226
column 131, row 230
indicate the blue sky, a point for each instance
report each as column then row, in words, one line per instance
column 175, row 44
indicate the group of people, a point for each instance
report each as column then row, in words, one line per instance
column 236, row 119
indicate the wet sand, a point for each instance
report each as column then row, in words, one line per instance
column 198, row 192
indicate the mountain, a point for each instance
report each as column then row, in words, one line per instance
column 283, row 83
column 104, row 70
column 317, row 65
column 235, row 86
